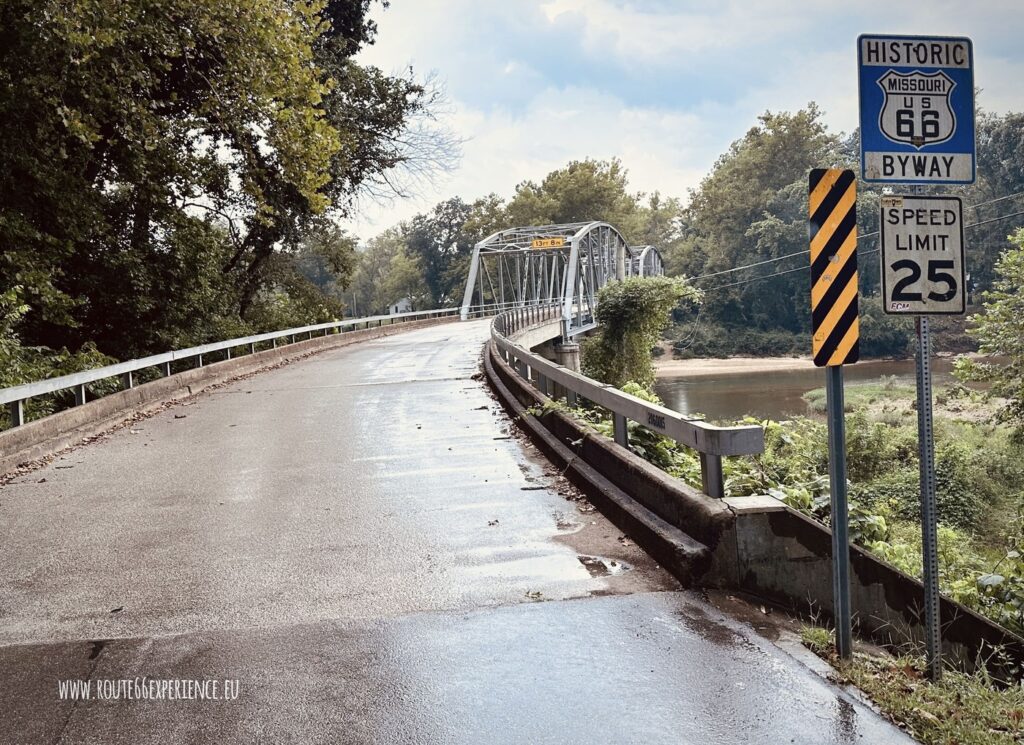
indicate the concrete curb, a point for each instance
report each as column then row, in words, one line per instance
column 44, row 437
column 686, row 558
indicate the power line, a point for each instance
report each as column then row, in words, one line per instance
column 993, row 201
column 755, row 279
column 859, row 253
column 866, row 235
column 751, row 266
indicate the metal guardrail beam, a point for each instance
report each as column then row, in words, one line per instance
column 16, row 396
column 709, row 440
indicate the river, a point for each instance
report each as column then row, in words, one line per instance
column 776, row 394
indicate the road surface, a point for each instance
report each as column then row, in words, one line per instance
column 355, row 548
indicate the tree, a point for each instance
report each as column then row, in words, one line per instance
column 751, row 208
column 387, row 272
column 327, row 257
column 436, row 240
column 583, row 191
column 632, row 313
column 181, row 150
column 1000, row 173
column 116, row 116
column 1000, row 333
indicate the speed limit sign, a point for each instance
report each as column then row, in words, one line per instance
column 923, row 255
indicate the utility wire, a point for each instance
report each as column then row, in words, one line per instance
column 866, row 235
column 859, row 253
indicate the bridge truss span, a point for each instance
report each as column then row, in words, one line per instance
column 645, row 261
column 565, row 264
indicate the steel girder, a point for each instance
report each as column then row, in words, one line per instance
column 645, row 261
column 538, row 265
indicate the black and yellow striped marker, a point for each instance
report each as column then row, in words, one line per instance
column 835, row 326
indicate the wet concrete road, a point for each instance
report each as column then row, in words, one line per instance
column 358, row 542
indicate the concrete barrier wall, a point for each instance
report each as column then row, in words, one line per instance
column 762, row 547
column 786, row 557
column 43, row 437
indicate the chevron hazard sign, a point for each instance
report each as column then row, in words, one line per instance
column 835, row 327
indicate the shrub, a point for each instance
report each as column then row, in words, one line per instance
column 632, row 313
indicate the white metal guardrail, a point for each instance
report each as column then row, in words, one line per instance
column 710, row 441
column 16, row 396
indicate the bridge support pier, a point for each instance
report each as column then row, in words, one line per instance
column 567, row 354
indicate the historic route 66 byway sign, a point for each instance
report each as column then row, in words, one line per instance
column 916, row 109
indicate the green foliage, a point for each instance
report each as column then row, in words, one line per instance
column 386, row 272
column 20, row 364
column 170, row 168
column 665, row 453
column 436, row 241
column 1000, row 332
column 752, row 207
column 1001, row 590
column 698, row 337
column 632, row 313
column 582, row 191
column 883, row 335
column 818, row 639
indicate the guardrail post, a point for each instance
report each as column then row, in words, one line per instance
column 252, row 348
column 711, row 475
column 621, row 428
column 199, row 360
column 167, row 369
column 571, row 399
column 17, row 413
column 228, row 351
column 79, row 394
column 274, row 343
column 542, row 383
column 128, row 380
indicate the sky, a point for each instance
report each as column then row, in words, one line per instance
column 663, row 85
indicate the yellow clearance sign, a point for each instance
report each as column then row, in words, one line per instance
column 835, row 325
column 548, row 242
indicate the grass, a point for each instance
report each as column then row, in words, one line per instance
column 859, row 395
column 960, row 709
column 893, row 403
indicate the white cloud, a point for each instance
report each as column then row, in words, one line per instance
column 663, row 150
column 663, row 85
column 639, row 35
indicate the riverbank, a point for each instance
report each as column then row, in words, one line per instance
column 698, row 367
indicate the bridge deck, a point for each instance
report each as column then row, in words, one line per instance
column 358, row 541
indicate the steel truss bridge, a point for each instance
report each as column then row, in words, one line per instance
column 554, row 264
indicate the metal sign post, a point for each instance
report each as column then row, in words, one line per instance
column 929, row 532
column 923, row 274
column 917, row 127
column 835, row 334
column 840, row 511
